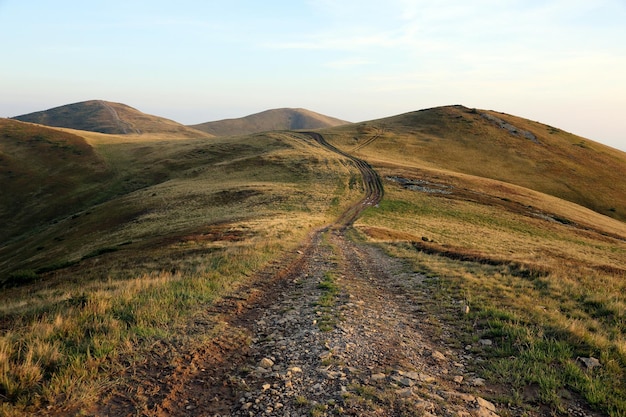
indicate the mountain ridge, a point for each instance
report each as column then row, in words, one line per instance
column 499, row 146
column 136, row 244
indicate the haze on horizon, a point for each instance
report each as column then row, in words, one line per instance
column 558, row 62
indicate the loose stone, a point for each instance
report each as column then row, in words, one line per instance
column 266, row 363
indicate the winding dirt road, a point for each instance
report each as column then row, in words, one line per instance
column 371, row 181
column 336, row 328
column 124, row 126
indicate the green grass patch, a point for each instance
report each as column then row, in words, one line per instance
column 330, row 290
column 538, row 333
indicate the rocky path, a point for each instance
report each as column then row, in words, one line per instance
column 339, row 328
column 347, row 337
column 368, row 352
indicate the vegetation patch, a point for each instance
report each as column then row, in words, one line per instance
column 547, row 291
column 197, row 231
column 330, row 290
column 538, row 334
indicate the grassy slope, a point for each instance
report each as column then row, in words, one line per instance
column 544, row 279
column 45, row 174
column 462, row 140
column 544, row 276
column 277, row 119
column 186, row 221
column 165, row 185
column 107, row 117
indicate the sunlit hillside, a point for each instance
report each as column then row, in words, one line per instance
column 497, row 146
column 113, row 244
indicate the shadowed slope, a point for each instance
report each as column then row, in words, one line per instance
column 497, row 146
column 277, row 119
column 106, row 117
column 44, row 173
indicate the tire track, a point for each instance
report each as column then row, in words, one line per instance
column 125, row 127
column 372, row 183
column 367, row 142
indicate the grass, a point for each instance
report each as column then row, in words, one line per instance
column 545, row 292
column 46, row 174
column 330, row 291
column 92, row 291
column 135, row 238
column 463, row 140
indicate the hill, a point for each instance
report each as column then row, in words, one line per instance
column 60, row 186
column 449, row 247
column 276, row 119
column 107, row 117
column 498, row 146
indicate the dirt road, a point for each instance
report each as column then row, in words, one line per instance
column 338, row 328
column 371, row 181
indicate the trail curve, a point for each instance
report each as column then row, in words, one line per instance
column 372, row 183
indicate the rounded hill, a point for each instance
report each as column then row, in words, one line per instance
column 275, row 119
column 499, row 146
column 107, row 117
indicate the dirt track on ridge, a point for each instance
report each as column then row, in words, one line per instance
column 370, row 349
column 371, row 181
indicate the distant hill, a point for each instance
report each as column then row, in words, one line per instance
column 276, row 119
column 498, row 146
column 106, row 117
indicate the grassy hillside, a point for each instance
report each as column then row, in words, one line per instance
column 45, row 175
column 121, row 242
column 186, row 221
column 277, row 119
column 544, row 280
column 107, row 117
column 497, row 146
column 169, row 186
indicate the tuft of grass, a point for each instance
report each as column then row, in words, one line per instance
column 330, row 291
column 301, row 401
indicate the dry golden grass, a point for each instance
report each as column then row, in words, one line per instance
column 527, row 230
column 545, row 278
column 463, row 141
column 183, row 223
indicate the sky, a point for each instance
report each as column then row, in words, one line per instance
column 559, row 62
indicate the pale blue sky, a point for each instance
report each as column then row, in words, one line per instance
column 560, row 62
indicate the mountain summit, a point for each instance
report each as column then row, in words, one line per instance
column 105, row 117
column 276, row 119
